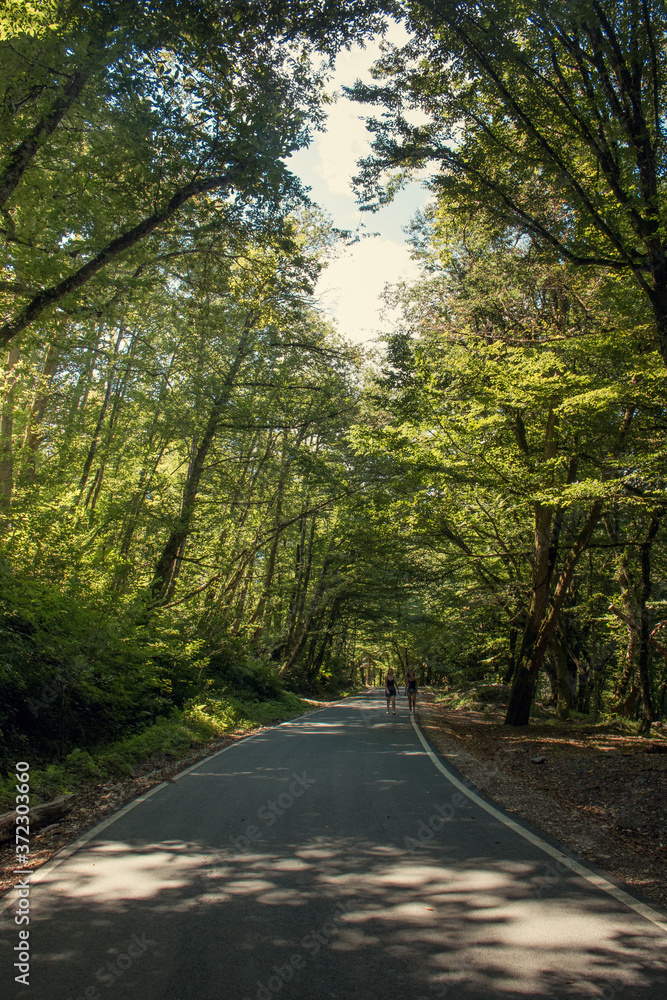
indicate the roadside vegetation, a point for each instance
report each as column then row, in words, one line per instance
column 170, row 738
column 208, row 497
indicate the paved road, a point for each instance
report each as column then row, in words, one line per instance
column 326, row 858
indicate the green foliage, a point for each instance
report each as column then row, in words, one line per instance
column 204, row 493
column 20, row 17
column 230, row 353
column 73, row 671
column 127, row 129
column 526, row 122
column 514, row 400
column 169, row 738
column 249, row 676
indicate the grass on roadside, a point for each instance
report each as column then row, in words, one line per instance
column 198, row 723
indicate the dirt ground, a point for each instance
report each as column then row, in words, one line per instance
column 600, row 792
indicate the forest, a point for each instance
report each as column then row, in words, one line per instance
column 209, row 499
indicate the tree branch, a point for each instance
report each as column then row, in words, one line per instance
column 19, row 160
column 49, row 296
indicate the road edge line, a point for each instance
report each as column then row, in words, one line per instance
column 11, row 897
column 597, row 880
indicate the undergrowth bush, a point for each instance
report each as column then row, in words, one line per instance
column 199, row 722
column 78, row 670
column 231, row 670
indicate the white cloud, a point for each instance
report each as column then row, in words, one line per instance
column 346, row 138
column 356, row 62
column 350, row 288
column 345, row 141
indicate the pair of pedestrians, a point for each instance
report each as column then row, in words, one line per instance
column 391, row 687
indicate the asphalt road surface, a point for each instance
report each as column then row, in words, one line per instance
column 328, row 857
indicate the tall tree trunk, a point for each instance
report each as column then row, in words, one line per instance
column 32, row 438
column 118, row 397
column 511, row 657
column 540, row 629
column 233, row 575
column 235, row 583
column 92, row 448
column 545, row 551
column 626, row 702
column 168, row 564
column 305, row 570
column 145, row 482
column 79, row 399
column 7, row 430
column 299, row 557
column 369, row 671
column 531, row 660
column 566, row 681
column 285, row 465
column 648, row 715
column 149, row 468
column 303, row 562
column 315, row 607
column 245, row 580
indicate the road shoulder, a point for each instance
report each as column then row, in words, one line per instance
column 636, row 869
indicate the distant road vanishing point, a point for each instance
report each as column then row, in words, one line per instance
column 328, row 857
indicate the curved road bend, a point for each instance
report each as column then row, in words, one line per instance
column 325, row 858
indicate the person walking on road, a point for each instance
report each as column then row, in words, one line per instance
column 411, row 689
column 390, row 689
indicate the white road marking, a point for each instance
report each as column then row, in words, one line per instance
column 600, row 883
column 12, row 896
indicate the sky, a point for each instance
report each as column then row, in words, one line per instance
column 350, row 287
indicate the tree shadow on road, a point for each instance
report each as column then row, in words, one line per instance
column 332, row 916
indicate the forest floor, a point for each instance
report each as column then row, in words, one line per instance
column 599, row 791
column 93, row 804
